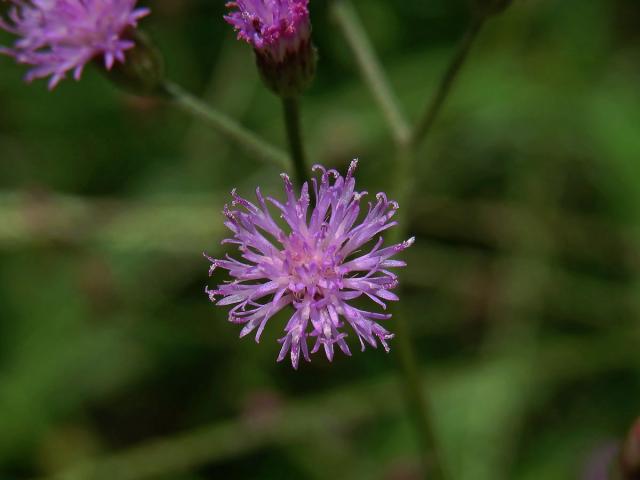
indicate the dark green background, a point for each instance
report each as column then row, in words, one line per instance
column 523, row 288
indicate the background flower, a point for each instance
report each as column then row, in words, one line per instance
column 58, row 36
column 272, row 27
column 280, row 33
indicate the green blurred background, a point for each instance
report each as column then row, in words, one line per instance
column 522, row 289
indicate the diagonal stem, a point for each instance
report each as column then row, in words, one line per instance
column 347, row 19
column 434, row 107
column 403, row 183
column 291, row 108
column 251, row 143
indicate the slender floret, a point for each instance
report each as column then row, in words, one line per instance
column 326, row 255
column 280, row 33
column 58, row 36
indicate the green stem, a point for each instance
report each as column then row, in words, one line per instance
column 347, row 19
column 373, row 74
column 446, row 83
column 418, row 402
column 226, row 126
column 291, row 107
column 402, row 191
column 355, row 35
column 414, row 385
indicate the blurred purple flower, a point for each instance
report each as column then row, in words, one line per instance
column 273, row 27
column 62, row 35
column 318, row 267
column 599, row 463
column 631, row 452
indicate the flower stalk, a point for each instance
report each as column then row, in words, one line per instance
column 243, row 138
column 280, row 33
column 447, row 81
column 372, row 72
column 417, row 400
column 292, row 121
column 415, row 385
column 408, row 141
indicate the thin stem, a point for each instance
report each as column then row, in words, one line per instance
column 446, row 83
column 226, row 126
column 347, row 19
column 402, row 191
column 403, row 186
column 355, row 35
column 291, row 107
column 414, row 385
column 418, row 402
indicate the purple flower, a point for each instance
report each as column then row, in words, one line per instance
column 317, row 263
column 58, row 36
column 600, row 462
column 273, row 27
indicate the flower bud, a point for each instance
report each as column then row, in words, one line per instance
column 143, row 71
column 291, row 76
column 280, row 34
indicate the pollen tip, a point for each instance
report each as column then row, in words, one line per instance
column 352, row 167
column 357, row 196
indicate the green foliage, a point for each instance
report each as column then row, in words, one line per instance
column 522, row 289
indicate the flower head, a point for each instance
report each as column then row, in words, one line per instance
column 58, row 36
column 280, row 33
column 318, row 263
column 272, row 27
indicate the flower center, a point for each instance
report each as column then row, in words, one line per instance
column 313, row 272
